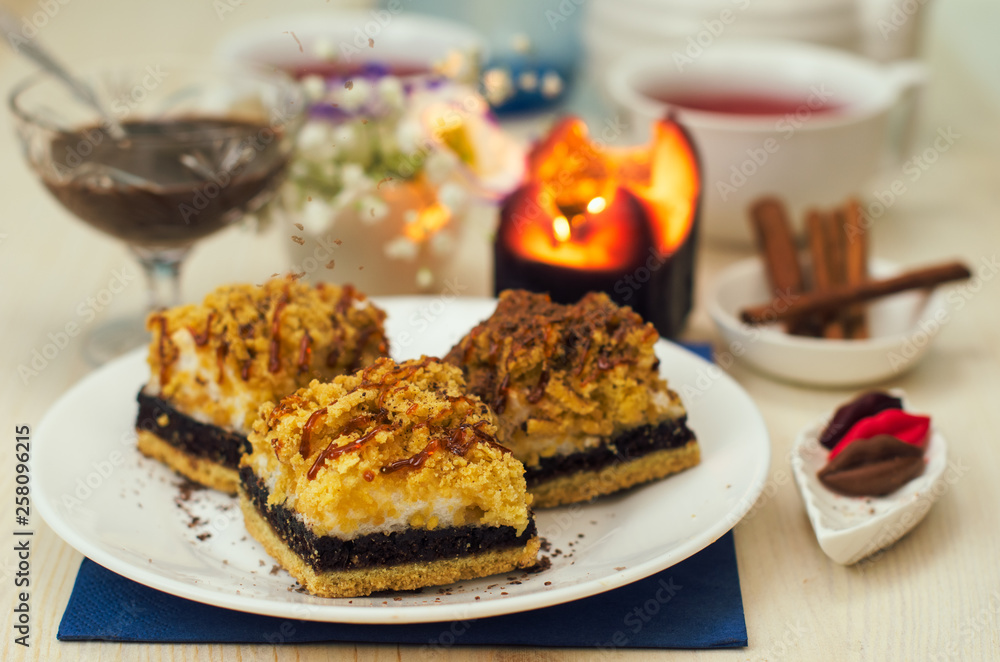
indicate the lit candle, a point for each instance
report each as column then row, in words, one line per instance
column 618, row 220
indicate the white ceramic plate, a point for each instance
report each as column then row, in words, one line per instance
column 126, row 512
column 850, row 529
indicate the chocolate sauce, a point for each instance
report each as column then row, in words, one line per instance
column 169, row 204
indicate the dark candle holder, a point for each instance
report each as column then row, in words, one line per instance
column 551, row 240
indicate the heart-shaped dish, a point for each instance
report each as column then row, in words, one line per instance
column 850, row 529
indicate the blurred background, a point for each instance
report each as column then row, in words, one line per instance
column 531, row 62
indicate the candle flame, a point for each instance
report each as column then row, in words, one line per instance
column 597, row 205
column 560, row 228
column 582, row 178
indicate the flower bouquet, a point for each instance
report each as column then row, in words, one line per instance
column 392, row 173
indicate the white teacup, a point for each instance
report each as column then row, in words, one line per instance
column 802, row 122
column 405, row 43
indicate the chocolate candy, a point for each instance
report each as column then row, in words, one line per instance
column 873, row 467
column 910, row 428
column 863, row 406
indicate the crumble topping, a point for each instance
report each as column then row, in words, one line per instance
column 563, row 377
column 246, row 344
column 389, row 447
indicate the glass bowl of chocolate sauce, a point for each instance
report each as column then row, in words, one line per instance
column 181, row 151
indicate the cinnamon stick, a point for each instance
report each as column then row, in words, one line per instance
column 834, row 299
column 777, row 246
column 856, row 267
column 819, row 230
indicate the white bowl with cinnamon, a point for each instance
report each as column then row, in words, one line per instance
column 829, row 316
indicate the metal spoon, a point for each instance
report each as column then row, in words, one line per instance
column 82, row 91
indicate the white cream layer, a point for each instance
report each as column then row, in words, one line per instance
column 199, row 369
column 442, row 509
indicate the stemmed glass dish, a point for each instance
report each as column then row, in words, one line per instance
column 202, row 147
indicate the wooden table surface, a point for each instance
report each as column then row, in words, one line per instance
column 935, row 595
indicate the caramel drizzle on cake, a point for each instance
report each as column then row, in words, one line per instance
column 455, row 443
column 161, row 348
column 220, row 359
column 274, row 358
column 347, row 296
column 332, row 452
column 538, row 392
column 456, row 439
column 354, row 336
column 307, row 430
column 305, row 352
column 201, row 339
column 565, row 335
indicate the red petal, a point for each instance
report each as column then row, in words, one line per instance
column 905, row 427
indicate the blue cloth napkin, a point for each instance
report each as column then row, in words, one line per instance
column 694, row 604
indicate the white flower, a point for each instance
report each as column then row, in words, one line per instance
column 401, row 248
column 314, row 87
column 442, row 134
column 390, row 92
column 353, row 177
column 299, row 169
column 409, row 135
column 329, row 170
column 316, row 142
column 317, row 216
column 345, row 135
column 354, row 98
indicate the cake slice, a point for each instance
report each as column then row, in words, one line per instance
column 388, row 479
column 213, row 364
column 578, row 395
